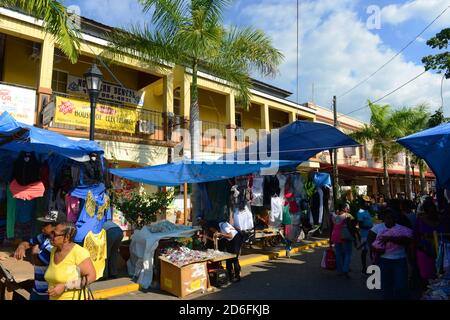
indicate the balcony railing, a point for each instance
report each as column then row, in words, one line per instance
column 147, row 124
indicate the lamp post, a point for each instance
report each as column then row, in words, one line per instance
column 94, row 81
column 413, row 178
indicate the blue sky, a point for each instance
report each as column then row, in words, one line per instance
column 337, row 48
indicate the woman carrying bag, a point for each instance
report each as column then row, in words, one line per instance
column 343, row 236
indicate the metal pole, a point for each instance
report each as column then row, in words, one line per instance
column 185, row 204
column 335, row 168
column 93, row 99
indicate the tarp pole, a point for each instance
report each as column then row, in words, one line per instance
column 185, row 204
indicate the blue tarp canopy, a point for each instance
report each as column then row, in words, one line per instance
column 433, row 146
column 297, row 141
column 174, row 174
column 16, row 137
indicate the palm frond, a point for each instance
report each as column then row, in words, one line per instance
column 168, row 15
column 56, row 21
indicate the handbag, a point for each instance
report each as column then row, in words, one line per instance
column 85, row 292
column 329, row 259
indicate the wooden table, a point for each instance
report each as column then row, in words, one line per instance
column 15, row 275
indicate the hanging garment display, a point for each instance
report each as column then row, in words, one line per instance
column 26, row 169
column 321, row 179
column 28, row 192
column 10, row 214
column 282, row 183
column 292, row 203
column 73, row 208
column 271, row 188
column 243, row 219
column 257, row 191
column 299, row 186
column 218, row 193
column 25, row 219
column 96, row 210
column 91, row 171
column 317, row 207
column 96, row 245
column 276, row 212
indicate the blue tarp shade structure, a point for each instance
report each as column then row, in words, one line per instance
column 298, row 141
column 16, row 137
column 433, row 146
column 174, row 174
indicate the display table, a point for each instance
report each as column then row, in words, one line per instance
column 182, row 280
column 14, row 275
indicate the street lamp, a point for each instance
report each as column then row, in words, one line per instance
column 94, row 80
column 414, row 177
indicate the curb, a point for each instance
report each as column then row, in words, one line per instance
column 281, row 253
column 133, row 287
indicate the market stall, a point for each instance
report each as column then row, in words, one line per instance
column 43, row 171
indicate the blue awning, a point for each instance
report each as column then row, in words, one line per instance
column 16, row 137
column 297, row 141
column 433, row 146
column 174, row 174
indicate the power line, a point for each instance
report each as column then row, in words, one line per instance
column 395, row 56
column 386, row 95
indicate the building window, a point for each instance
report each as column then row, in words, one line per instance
column 59, row 81
column 238, row 119
column 276, row 124
column 362, row 152
column 349, row 151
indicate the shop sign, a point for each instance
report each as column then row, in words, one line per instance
column 110, row 91
column 78, row 113
column 19, row 102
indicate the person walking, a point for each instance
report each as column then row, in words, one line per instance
column 365, row 224
column 69, row 264
column 114, row 236
column 343, row 236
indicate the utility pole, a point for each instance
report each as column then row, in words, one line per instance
column 335, row 167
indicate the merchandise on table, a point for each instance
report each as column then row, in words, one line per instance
column 438, row 289
column 182, row 256
column 166, row 226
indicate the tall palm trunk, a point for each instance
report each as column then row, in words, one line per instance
column 387, row 187
column 194, row 125
column 407, row 177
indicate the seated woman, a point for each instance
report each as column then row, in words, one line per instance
column 69, row 264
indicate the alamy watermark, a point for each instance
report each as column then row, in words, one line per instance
column 374, row 280
column 374, row 19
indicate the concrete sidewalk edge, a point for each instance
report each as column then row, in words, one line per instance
column 121, row 290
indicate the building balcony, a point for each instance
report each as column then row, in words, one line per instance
column 70, row 115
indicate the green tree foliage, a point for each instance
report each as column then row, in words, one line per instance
column 440, row 61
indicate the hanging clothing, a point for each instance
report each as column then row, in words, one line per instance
column 96, row 210
column 321, row 179
column 218, row 193
column 28, row 192
column 243, row 219
column 271, row 188
column 282, row 183
column 26, row 169
column 10, row 214
column 96, row 245
column 91, row 172
column 299, row 186
column 317, row 208
column 73, row 208
column 257, row 191
column 276, row 212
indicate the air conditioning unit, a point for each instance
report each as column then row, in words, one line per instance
column 35, row 51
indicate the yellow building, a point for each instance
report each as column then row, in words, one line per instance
column 140, row 104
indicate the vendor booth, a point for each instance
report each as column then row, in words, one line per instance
column 246, row 184
column 43, row 171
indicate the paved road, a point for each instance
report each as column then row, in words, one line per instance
column 299, row 277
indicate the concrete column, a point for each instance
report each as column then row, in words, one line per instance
column 185, row 96
column 45, row 76
column 168, row 93
column 231, row 122
column 265, row 124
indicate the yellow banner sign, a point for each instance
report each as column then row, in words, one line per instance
column 78, row 112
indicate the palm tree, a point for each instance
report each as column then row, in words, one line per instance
column 56, row 21
column 190, row 33
column 381, row 131
column 409, row 121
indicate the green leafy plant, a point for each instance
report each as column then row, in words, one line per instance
column 141, row 209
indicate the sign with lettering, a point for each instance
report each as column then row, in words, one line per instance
column 19, row 102
column 110, row 91
column 78, row 112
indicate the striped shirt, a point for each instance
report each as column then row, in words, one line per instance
column 40, row 285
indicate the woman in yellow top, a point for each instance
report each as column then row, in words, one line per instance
column 69, row 262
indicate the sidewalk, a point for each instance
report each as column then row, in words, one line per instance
column 250, row 256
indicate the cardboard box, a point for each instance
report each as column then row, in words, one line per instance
column 182, row 281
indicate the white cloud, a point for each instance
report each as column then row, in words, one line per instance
column 337, row 51
column 423, row 10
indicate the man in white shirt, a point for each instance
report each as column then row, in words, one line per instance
column 233, row 245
